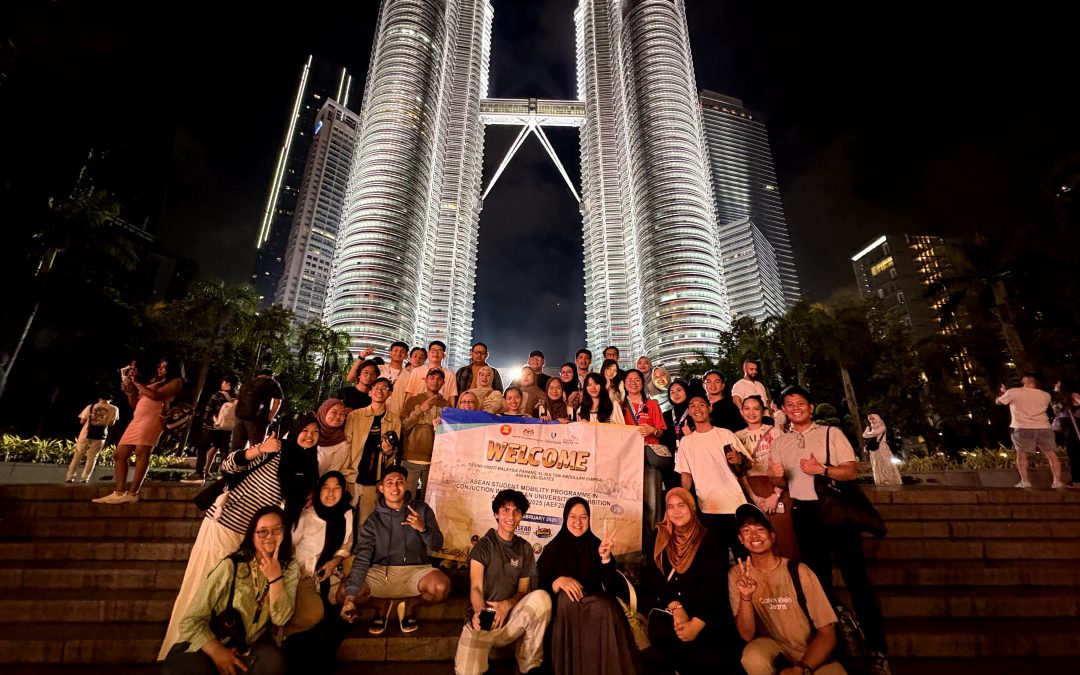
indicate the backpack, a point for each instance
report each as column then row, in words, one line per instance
column 247, row 403
column 850, row 648
column 225, row 420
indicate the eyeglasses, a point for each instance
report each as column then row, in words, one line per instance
column 578, row 519
column 380, row 387
column 264, row 533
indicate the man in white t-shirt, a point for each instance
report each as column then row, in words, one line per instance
column 1031, row 427
column 749, row 385
column 418, row 378
column 809, row 450
column 96, row 419
column 704, row 460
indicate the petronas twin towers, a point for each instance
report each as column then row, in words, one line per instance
column 405, row 262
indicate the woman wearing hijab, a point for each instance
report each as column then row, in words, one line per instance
column 875, row 439
column 553, row 406
column 261, row 475
column 322, row 540
column 589, row 633
column 531, row 394
column 488, row 399
column 333, row 448
column 686, row 581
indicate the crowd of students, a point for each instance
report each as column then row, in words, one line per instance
column 327, row 523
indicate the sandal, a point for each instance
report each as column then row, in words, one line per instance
column 378, row 624
column 408, row 624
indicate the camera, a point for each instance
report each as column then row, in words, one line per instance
column 391, row 437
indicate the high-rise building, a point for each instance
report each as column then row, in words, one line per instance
column 748, row 195
column 900, row 270
column 406, row 257
column 321, row 200
column 319, row 81
column 753, row 278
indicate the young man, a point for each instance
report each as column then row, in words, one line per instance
column 392, row 558
column 359, row 395
column 368, row 449
column 583, row 359
column 1030, row 428
column 612, row 352
column 762, row 593
column 503, row 610
column 436, row 353
column 466, row 377
column 724, row 413
column 257, row 405
column 418, row 424
column 96, row 419
column 749, row 385
column 797, row 457
column 214, row 438
column 394, row 370
column 704, row 461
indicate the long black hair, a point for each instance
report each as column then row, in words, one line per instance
column 606, row 408
column 246, row 551
column 298, row 472
column 635, row 371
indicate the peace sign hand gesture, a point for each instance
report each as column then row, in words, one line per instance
column 744, row 582
column 270, row 566
column 415, row 521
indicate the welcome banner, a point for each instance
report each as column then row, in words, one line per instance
column 477, row 454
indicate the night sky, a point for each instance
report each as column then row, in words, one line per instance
column 918, row 117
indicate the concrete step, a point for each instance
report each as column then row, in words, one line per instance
column 973, row 549
column 966, row 638
column 103, row 529
column 69, row 644
column 88, row 575
column 984, row 529
column 975, row 603
column 960, row 575
column 167, row 550
column 68, row 509
column 938, row 495
column 80, row 492
column 954, row 512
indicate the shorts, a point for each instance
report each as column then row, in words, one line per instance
column 1026, row 440
column 396, row 581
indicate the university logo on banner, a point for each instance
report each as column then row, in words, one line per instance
column 476, row 455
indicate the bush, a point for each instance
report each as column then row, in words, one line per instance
column 55, row 451
column 968, row 460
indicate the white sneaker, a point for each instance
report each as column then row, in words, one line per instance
column 128, row 498
column 1023, row 485
column 111, row 498
column 1057, row 485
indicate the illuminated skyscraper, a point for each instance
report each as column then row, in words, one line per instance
column 313, row 238
column 319, row 81
column 748, row 196
column 406, row 260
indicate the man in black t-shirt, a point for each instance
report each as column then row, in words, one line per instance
column 259, row 402
column 503, row 610
column 359, row 395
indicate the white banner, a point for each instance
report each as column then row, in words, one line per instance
column 476, row 455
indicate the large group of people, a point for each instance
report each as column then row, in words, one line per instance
column 313, row 526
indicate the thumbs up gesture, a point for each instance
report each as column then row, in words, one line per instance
column 776, row 470
column 270, row 445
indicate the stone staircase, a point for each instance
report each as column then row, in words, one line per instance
column 970, row 581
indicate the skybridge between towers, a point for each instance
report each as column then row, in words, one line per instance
column 532, row 115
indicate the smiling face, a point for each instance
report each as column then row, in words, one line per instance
column 308, row 436
column 611, row 353
column 611, row 371
column 593, row 388
column 583, row 362
column 536, row 363
column 436, row 354
column 751, row 411
column 330, row 492
column 485, row 377
column 507, row 519
column 417, row 357
column 269, row 532
column 633, row 383
column 566, row 374
column 756, row 538
column 434, row 381
column 678, row 512
column 699, row 410
column 644, row 364
column 677, row 393
column 554, row 390
column 661, row 378
column 577, row 521
column 335, row 417
column 397, row 354
column 714, row 384
column 392, row 488
column 467, row 401
column 797, row 409
column 513, row 400
column 380, row 391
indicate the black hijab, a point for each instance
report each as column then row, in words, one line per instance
column 298, row 472
column 334, row 517
column 570, row 556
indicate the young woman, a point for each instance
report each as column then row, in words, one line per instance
column 570, row 385
column 333, row 447
column 589, row 633
column 150, row 402
column 487, row 399
column 262, row 475
column 610, row 371
column 677, row 423
column 596, row 404
column 531, row 394
column 775, row 502
column 875, row 437
column 686, row 577
column 641, row 411
column 515, row 401
column 467, row 401
column 553, row 406
column 322, row 540
column 261, row 578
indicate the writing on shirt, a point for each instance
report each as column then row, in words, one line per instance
column 549, row 458
column 777, row 604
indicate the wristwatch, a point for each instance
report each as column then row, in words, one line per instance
column 806, row 670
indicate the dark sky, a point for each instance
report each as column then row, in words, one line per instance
column 903, row 117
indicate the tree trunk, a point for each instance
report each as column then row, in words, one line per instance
column 18, row 347
column 853, row 406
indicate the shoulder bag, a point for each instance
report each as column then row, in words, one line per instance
column 842, row 503
column 658, row 456
column 850, row 647
column 228, row 625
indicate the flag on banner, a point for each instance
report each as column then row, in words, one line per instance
column 477, row 454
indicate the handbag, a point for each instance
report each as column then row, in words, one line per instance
column 659, row 456
column 639, row 625
column 227, row 625
column 843, row 503
column 850, row 649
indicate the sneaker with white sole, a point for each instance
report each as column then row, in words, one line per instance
column 1024, row 485
column 111, row 498
column 128, row 498
column 1057, row 485
column 193, row 478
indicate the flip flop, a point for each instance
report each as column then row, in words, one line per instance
column 378, row 624
column 408, row 624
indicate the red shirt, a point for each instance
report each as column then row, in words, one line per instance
column 649, row 413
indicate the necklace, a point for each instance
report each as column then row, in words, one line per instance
column 261, row 588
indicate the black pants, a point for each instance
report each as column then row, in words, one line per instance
column 266, row 659
column 248, row 432
column 715, row 651
column 723, row 527
column 315, row 650
column 217, row 438
column 1072, row 447
column 820, row 544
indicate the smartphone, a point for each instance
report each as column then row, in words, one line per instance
column 487, row 618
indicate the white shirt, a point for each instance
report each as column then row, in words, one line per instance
column 745, row 387
column 389, row 373
column 333, row 457
column 786, row 451
column 701, row 454
column 308, row 538
column 1027, row 406
column 418, row 385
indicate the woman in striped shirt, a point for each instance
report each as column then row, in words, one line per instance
column 262, row 475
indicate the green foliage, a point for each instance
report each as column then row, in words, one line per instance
column 60, row 451
column 977, row 459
